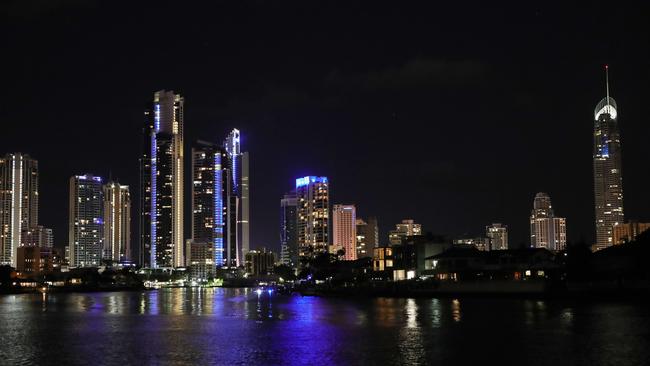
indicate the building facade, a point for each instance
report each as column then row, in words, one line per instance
column 480, row 243
column 33, row 260
column 608, row 180
column 367, row 237
column 344, row 231
column 288, row 230
column 37, row 236
column 259, row 263
column 312, row 194
column 546, row 230
column 498, row 235
column 406, row 228
column 200, row 259
column 624, row 233
column 117, row 222
column 239, row 201
column 212, row 217
column 161, row 187
column 86, row 223
column 18, row 203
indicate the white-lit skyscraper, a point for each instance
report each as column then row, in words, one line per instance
column 85, row 235
column 344, row 231
column 240, row 196
column 608, row 179
column 117, row 222
column 312, row 194
column 546, row 230
column 162, row 174
column 18, row 202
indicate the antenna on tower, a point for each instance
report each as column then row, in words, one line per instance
column 607, row 81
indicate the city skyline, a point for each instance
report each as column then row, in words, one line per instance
column 472, row 176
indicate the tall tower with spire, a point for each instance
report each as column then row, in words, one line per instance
column 608, row 181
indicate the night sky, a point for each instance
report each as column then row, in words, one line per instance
column 453, row 115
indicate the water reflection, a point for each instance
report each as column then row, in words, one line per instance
column 455, row 310
column 238, row 326
column 411, row 345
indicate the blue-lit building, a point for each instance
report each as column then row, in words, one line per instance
column 210, row 181
column 239, row 199
column 161, row 183
column 86, row 223
column 312, row 196
column 219, row 199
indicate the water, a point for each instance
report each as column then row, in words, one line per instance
column 240, row 327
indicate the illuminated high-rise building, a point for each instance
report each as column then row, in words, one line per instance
column 239, row 198
column 344, row 231
column 161, row 172
column 117, row 222
column 244, row 221
column 18, row 202
column 406, row 228
column 312, row 195
column 608, row 180
column 498, row 235
column 86, row 223
column 211, row 217
column 288, row 230
column 546, row 230
column 144, row 225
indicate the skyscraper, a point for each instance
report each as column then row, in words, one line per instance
column 239, row 197
column 18, row 202
column 85, row 235
column 498, row 235
column 145, row 209
column 161, row 172
column 244, row 222
column 117, row 222
column 288, row 230
column 608, row 180
column 406, row 228
column 546, row 230
column 344, row 231
column 312, row 195
column 210, row 196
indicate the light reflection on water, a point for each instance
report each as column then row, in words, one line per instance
column 226, row 326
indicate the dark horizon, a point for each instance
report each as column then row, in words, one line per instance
column 455, row 116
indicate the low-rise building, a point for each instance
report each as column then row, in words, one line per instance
column 407, row 260
column 625, row 233
column 33, row 260
column 482, row 244
column 468, row 263
column 259, row 262
column 200, row 259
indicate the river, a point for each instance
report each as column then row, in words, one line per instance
column 241, row 327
